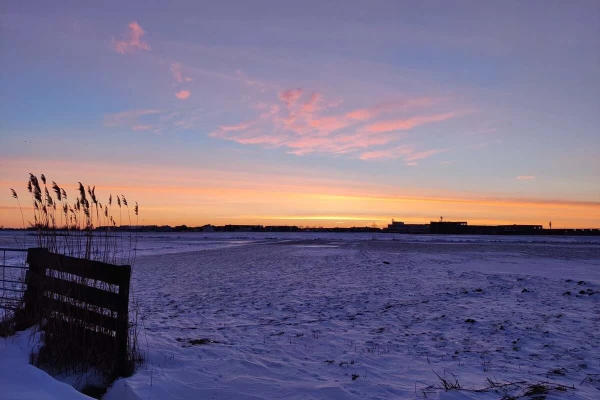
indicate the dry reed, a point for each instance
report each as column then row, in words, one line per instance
column 86, row 229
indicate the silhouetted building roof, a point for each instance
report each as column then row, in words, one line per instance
column 448, row 227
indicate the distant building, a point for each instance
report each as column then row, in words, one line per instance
column 520, row 229
column 396, row 227
column 448, row 227
column 401, row 227
column 461, row 228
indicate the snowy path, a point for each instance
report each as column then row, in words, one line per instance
column 367, row 320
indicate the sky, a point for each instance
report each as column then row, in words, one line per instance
column 312, row 113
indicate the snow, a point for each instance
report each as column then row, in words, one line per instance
column 298, row 315
column 20, row 380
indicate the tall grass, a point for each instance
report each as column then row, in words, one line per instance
column 84, row 228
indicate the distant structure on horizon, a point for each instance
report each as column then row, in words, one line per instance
column 440, row 227
column 462, row 228
column 401, row 227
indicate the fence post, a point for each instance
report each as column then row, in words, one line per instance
column 122, row 331
column 35, row 291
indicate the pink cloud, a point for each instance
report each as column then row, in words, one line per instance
column 337, row 144
column 309, row 126
column 183, row 94
column 225, row 129
column 301, row 120
column 362, row 114
column 300, row 152
column 326, row 125
column 365, row 114
column 406, row 124
column 290, row 97
column 312, row 104
column 133, row 42
column 238, row 127
column 525, row 177
column 248, row 133
column 424, row 154
column 309, row 143
column 407, row 153
column 272, row 140
column 267, row 111
column 361, row 140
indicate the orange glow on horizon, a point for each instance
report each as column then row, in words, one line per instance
column 176, row 196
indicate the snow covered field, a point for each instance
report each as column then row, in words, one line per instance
column 344, row 316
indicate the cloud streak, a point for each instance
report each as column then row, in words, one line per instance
column 424, row 154
column 176, row 70
column 178, row 74
column 393, row 153
column 365, row 114
column 127, row 118
column 133, row 42
column 140, row 127
column 407, row 124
